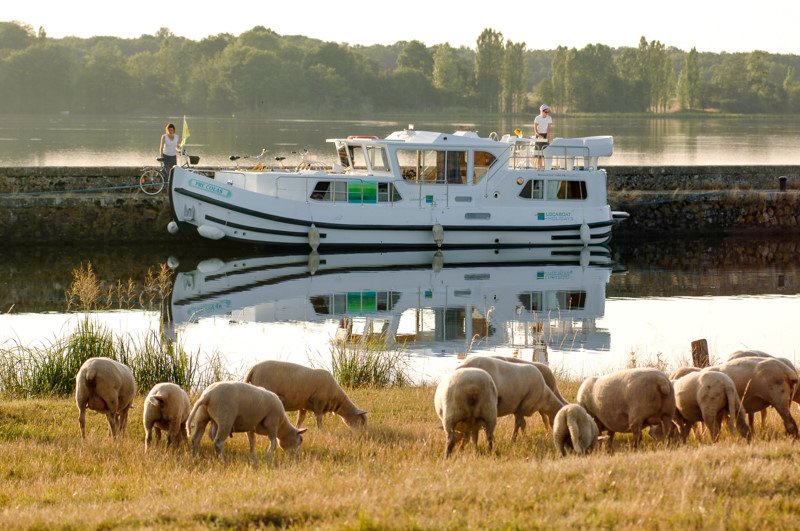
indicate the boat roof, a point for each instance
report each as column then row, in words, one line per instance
column 429, row 138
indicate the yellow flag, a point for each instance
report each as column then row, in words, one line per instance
column 186, row 133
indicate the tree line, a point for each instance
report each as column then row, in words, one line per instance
column 263, row 72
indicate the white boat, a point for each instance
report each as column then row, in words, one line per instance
column 431, row 301
column 411, row 189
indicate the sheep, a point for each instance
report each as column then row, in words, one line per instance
column 759, row 354
column 166, row 408
column 242, row 407
column 680, row 372
column 521, row 389
column 304, row 389
column 707, row 396
column 574, row 428
column 628, row 400
column 466, row 401
column 105, row 386
column 763, row 382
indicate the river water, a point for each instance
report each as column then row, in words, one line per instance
column 640, row 302
column 61, row 140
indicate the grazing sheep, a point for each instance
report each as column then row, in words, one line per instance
column 236, row 407
column 166, row 408
column 763, row 382
column 303, row 389
column 682, row 371
column 466, row 401
column 574, row 428
column 105, row 386
column 707, row 396
column 628, row 400
column 521, row 389
column 547, row 374
column 759, row 354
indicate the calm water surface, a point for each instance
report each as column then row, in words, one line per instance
column 131, row 141
column 640, row 301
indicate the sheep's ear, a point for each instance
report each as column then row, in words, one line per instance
column 302, row 431
column 361, row 412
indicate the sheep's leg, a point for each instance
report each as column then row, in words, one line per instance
column 82, row 419
column 200, row 420
column 157, row 435
column 251, row 438
column 173, row 435
column 112, row 423
column 148, row 436
column 474, row 436
column 751, row 417
column 450, row 442
column 318, row 416
column 224, row 429
column 182, row 434
column 301, row 416
column 519, row 424
column 123, row 420
column 636, row 429
column 788, row 422
column 764, row 417
column 489, row 427
column 273, row 443
column 610, row 446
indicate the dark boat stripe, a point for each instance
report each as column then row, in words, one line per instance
column 258, row 229
column 345, row 226
column 578, row 236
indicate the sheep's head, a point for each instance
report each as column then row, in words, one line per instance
column 293, row 440
column 357, row 420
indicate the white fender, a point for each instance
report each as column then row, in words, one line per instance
column 212, row 233
column 438, row 234
column 212, row 265
column 313, row 237
column 172, row 227
column 586, row 234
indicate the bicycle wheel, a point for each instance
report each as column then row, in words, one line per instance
column 151, row 182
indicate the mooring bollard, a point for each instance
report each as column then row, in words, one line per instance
column 700, row 353
column 782, row 183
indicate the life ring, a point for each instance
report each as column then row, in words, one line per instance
column 362, row 137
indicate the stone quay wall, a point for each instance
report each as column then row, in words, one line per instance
column 68, row 205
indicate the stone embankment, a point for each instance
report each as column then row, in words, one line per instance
column 102, row 204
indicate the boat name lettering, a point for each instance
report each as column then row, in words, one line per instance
column 209, row 187
column 205, row 309
column 553, row 275
column 554, row 216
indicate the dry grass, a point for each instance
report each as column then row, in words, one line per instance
column 393, row 477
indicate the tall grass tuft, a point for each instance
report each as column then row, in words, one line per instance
column 368, row 364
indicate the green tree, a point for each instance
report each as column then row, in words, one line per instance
column 103, row 84
column 558, row 80
column 446, row 74
column 514, row 77
column 416, row 56
column 489, row 69
column 689, row 82
column 39, row 78
column 15, row 36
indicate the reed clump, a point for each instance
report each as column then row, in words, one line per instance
column 369, row 364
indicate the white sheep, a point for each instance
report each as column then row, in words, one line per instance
column 628, row 400
column 574, row 428
column 707, row 396
column 304, row 389
column 105, row 386
column 521, row 389
column 236, row 407
column 466, row 401
column 165, row 408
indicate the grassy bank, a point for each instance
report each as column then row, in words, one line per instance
column 393, row 477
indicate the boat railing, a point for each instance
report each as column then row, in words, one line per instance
column 563, row 157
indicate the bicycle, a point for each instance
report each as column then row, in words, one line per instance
column 258, row 166
column 152, row 180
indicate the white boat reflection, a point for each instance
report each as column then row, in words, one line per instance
column 433, row 302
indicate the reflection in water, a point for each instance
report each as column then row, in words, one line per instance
column 431, row 303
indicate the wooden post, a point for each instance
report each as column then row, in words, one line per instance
column 700, row 353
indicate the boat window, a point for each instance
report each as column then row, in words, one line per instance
column 571, row 300
column 330, row 191
column 483, row 160
column 378, row 158
column 531, row 301
column 432, row 166
column 566, row 189
column 357, row 156
column 354, row 302
column 387, row 193
column 552, row 300
column 533, row 189
column 344, row 160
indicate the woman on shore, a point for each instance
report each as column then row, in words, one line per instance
column 168, row 148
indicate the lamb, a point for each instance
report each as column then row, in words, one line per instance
column 628, row 400
column 574, row 428
column 241, row 407
column 303, row 389
column 763, row 382
column 466, row 401
column 707, row 396
column 521, row 389
column 166, row 408
column 547, row 374
column 105, row 386
column 680, row 372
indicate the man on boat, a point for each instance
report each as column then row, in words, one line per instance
column 542, row 131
